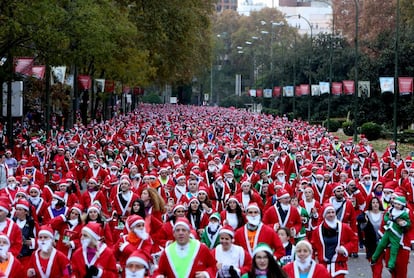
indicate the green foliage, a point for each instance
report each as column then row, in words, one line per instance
column 348, row 128
column 152, row 98
column 371, row 130
column 270, row 111
column 334, row 125
column 235, row 101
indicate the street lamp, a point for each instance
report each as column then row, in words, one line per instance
column 396, row 89
column 356, row 71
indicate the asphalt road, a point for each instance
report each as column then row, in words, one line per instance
column 359, row 267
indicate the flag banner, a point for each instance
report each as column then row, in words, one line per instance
column 277, row 91
column 252, row 92
column 267, row 93
column 304, row 89
column 58, row 75
column 126, row 89
column 336, row 88
column 324, row 87
column 23, row 65
column 316, row 90
column 69, row 80
column 349, row 87
column 387, row 84
column 259, row 93
column 298, row 91
column 364, row 89
column 109, row 86
column 288, row 91
column 405, row 85
column 84, row 82
column 38, row 72
column 99, row 85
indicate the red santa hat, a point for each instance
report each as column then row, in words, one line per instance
column 35, row 187
column 179, row 176
column 134, row 220
column 5, row 206
column 5, row 237
column 23, row 204
column 252, row 205
column 21, row 191
column 203, row 189
column 326, row 207
column 55, row 178
column 182, row 221
column 389, row 186
column 94, row 207
column 336, row 185
column 193, row 199
column 305, row 244
column 320, row 173
column 178, row 206
column 93, row 180
column 365, row 173
column 60, row 195
column 282, row 193
column 233, row 198
column 227, row 229
column 138, row 257
column 46, row 230
column 78, row 208
column 94, row 230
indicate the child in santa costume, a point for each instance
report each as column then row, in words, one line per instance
column 47, row 261
column 397, row 222
column 304, row 265
column 93, row 258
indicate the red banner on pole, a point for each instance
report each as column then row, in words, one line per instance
column 336, row 88
column 23, row 65
column 349, row 87
column 304, row 89
column 84, row 82
column 109, row 86
column 405, row 85
column 259, row 92
column 38, row 72
column 277, row 91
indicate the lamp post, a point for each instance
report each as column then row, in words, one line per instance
column 396, row 89
column 356, row 71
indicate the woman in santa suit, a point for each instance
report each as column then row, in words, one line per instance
column 333, row 242
column 304, row 265
column 69, row 228
column 47, row 261
column 94, row 258
column 9, row 265
column 233, row 214
column 197, row 216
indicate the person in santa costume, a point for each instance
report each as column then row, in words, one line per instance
column 332, row 241
column 10, row 266
column 185, row 257
column 210, row 235
column 136, row 238
column 11, row 229
column 232, row 260
column 255, row 232
column 282, row 214
column 304, row 265
column 137, row 265
column 93, row 258
column 47, row 261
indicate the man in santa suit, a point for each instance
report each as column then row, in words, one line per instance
column 180, row 190
column 333, row 242
column 96, row 172
column 122, row 201
column 10, row 228
column 322, row 190
column 254, row 232
column 198, row 262
column 219, row 192
column 47, row 261
column 283, row 215
column 386, row 172
column 408, row 162
column 94, row 258
column 11, row 266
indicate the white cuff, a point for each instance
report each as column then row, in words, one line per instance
column 345, row 251
column 32, row 244
column 72, row 244
column 122, row 246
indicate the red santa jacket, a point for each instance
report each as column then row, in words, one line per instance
column 56, row 266
column 129, row 243
column 15, row 235
column 67, row 234
column 316, row 270
column 263, row 234
column 292, row 220
column 104, row 260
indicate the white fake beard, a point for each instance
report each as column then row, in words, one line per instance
column 45, row 245
column 284, row 207
column 331, row 224
column 134, row 274
column 303, row 265
column 141, row 233
column 3, row 251
column 253, row 220
column 85, row 242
